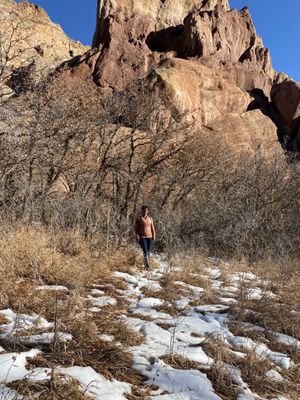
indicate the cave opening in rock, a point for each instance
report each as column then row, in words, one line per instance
column 261, row 102
column 169, row 39
column 177, row 39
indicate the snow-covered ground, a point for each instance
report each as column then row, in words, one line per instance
column 176, row 333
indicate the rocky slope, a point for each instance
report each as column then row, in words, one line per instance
column 31, row 41
column 286, row 97
column 206, row 30
column 205, row 57
column 133, row 40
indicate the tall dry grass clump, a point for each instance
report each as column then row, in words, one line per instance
column 32, row 256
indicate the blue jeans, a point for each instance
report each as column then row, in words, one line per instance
column 146, row 244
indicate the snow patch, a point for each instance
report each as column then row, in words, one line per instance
column 9, row 394
column 13, row 365
column 97, row 292
column 102, row 301
column 192, row 384
column 149, row 302
column 19, row 322
column 56, row 288
column 45, row 338
column 274, row 375
column 96, row 385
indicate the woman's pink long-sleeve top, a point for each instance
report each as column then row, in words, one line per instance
column 144, row 227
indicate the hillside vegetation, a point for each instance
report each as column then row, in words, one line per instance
column 186, row 123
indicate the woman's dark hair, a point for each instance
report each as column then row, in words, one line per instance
column 144, row 207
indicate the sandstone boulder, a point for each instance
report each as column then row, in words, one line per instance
column 125, row 57
column 248, row 132
column 286, row 97
column 197, row 91
column 227, row 40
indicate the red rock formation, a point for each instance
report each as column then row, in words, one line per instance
column 204, row 97
column 134, row 38
column 125, row 55
column 130, row 37
column 286, row 97
column 164, row 13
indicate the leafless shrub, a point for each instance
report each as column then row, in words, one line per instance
column 16, row 60
column 82, row 161
column 76, row 160
column 250, row 211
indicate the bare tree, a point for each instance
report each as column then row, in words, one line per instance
column 105, row 152
column 249, row 209
column 15, row 54
column 74, row 158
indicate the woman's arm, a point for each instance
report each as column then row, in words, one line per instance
column 153, row 230
column 136, row 230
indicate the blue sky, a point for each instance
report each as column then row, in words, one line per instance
column 276, row 21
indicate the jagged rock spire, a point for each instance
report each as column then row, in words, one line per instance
column 165, row 13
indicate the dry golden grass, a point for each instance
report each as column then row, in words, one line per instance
column 165, row 325
column 222, row 381
column 49, row 390
column 278, row 314
column 237, row 329
column 168, row 309
column 140, row 393
column 142, row 316
column 33, row 256
column 218, row 372
column 170, row 294
column 215, row 348
column 178, row 361
column 253, row 371
column 265, row 337
column 190, row 269
column 291, row 350
column 273, row 315
column 293, row 377
column 87, row 349
column 209, row 296
column 3, row 320
column 282, row 275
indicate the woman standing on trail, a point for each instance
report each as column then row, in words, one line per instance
column 145, row 233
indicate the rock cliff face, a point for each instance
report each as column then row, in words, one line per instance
column 286, row 97
column 206, row 58
column 164, row 13
column 134, row 36
column 204, row 97
column 30, row 38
